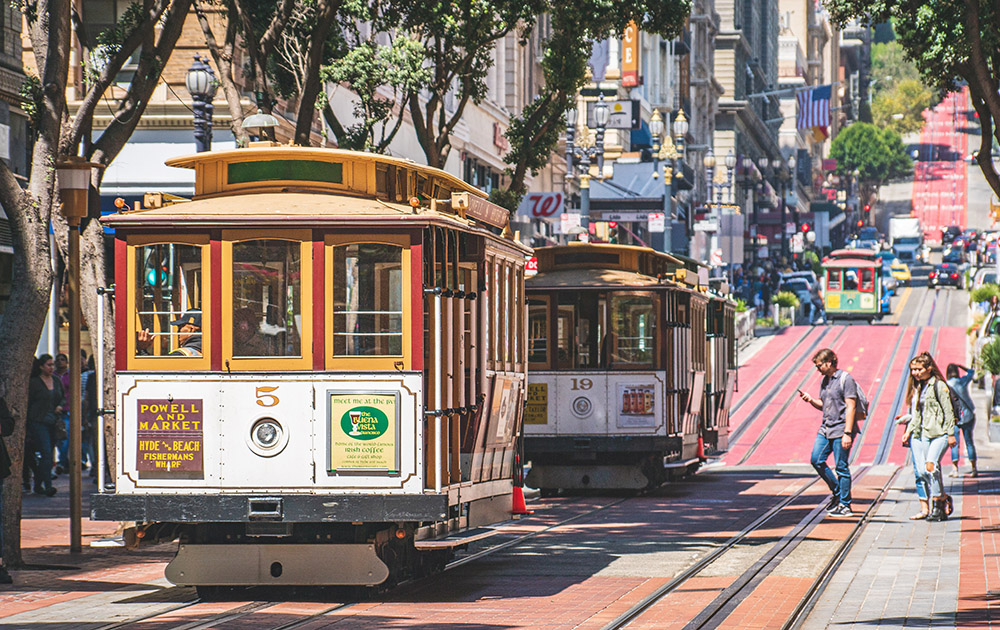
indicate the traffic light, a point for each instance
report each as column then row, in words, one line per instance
column 861, row 223
column 868, row 207
column 805, row 228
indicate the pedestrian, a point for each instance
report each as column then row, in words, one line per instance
column 816, row 300
column 46, row 403
column 931, row 429
column 88, row 417
column 6, row 429
column 838, row 400
column 965, row 423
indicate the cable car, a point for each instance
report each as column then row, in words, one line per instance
column 852, row 289
column 320, row 368
column 618, row 360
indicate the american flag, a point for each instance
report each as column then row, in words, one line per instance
column 814, row 107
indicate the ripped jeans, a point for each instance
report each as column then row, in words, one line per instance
column 928, row 452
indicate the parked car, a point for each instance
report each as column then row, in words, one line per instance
column 799, row 286
column 984, row 276
column 901, row 272
column 945, row 274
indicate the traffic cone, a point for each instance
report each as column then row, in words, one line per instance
column 701, row 448
column 519, row 506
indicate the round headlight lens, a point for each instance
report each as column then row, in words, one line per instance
column 266, row 433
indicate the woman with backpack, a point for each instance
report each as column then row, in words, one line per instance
column 965, row 421
column 930, row 431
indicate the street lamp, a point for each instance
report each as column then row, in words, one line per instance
column 580, row 151
column 666, row 152
column 792, row 180
column 202, row 84
column 730, row 167
column 73, row 177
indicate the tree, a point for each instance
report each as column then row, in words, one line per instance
column 949, row 40
column 152, row 28
column 877, row 154
column 534, row 132
column 901, row 106
column 458, row 40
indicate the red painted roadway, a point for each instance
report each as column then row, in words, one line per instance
column 939, row 187
column 870, row 353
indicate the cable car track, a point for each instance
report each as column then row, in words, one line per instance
column 250, row 608
column 766, row 429
column 715, row 614
column 738, row 432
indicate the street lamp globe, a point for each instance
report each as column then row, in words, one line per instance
column 656, row 124
column 730, row 160
column 680, row 124
column 709, row 159
column 601, row 114
column 200, row 80
column 791, row 163
column 571, row 117
column 763, row 163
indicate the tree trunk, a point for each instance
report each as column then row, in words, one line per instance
column 325, row 14
column 20, row 329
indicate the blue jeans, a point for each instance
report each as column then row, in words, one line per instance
column 839, row 484
column 927, row 454
column 921, row 486
column 41, row 440
column 63, row 446
column 970, row 444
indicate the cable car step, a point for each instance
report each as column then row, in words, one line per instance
column 456, row 539
column 680, row 464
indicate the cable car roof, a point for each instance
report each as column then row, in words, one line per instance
column 851, row 263
column 589, row 279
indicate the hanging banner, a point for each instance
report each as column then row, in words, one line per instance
column 364, row 432
column 630, row 56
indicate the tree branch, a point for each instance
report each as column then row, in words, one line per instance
column 223, row 58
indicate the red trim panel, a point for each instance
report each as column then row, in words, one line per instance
column 319, row 301
column 215, row 299
column 121, row 309
column 416, row 301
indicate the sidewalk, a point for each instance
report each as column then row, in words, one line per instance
column 917, row 574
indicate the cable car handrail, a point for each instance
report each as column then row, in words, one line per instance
column 336, row 312
column 366, row 334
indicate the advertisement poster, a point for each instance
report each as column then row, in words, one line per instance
column 636, row 406
column 537, row 409
column 506, row 397
column 170, row 437
column 363, row 432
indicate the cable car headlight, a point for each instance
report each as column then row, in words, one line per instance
column 267, row 437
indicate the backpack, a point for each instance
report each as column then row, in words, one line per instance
column 956, row 403
column 861, row 407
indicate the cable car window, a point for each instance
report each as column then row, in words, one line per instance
column 538, row 332
column 631, row 337
column 867, row 280
column 581, row 329
column 851, row 280
column 169, row 300
column 267, row 299
column 833, row 279
column 367, row 300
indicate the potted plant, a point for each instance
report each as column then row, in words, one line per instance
column 787, row 302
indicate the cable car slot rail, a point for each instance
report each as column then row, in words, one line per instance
column 715, row 614
column 767, row 399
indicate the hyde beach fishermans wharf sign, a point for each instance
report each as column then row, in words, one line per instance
column 170, row 437
column 364, row 432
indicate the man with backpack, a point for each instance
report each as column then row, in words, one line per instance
column 843, row 405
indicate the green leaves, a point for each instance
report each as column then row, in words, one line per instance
column 877, row 154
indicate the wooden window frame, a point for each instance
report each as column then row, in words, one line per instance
column 380, row 362
column 169, row 363
column 549, row 347
column 280, row 363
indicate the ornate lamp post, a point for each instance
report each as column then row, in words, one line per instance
column 792, row 178
column 580, row 148
column 680, row 141
column 666, row 153
column 752, row 183
column 202, row 84
column 730, row 167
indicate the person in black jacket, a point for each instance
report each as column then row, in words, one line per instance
column 6, row 429
column 46, row 402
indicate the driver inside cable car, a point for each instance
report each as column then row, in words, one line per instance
column 188, row 336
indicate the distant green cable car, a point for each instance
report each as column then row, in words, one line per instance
column 852, row 289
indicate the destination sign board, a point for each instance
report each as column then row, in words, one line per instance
column 170, row 437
